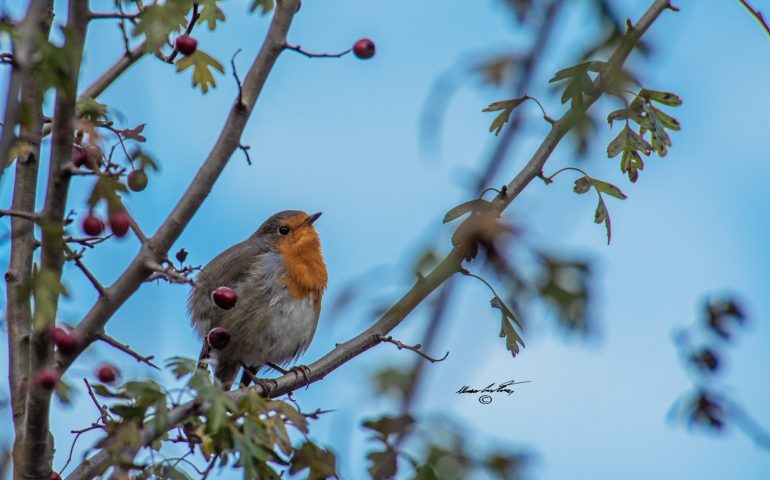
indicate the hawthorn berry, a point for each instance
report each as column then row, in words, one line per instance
column 106, row 373
column 92, row 225
column 137, row 180
column 186, row 44
column 119, row 223
column 93, row 156
column 218, row 338
column 65, row 342
column 364, row 49
column 46, row 378
column 78, row 155
column 224, row 297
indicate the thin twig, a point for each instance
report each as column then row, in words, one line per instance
column 127, row 349
column 245, row 150
column 414, row 348
column 758, row 15
column 241, row 105
column 104, row 415
column 76, row 257
column 113, row 15
column 34, row 217
column 299, row 49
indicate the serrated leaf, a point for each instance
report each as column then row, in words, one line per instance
column 665, row 98
column 602, row 215
column 608, row 188
column 211, row 14
column 582, row 185
column 181, row 366
column 507, row 107
column 579, row 69
column 145, row 393
column 383, row 464
column 476, row 205
column 667, row 120
column 631, row 162
column 265, row 6
column 90, row 109
column 507, row 330
column 202, row 63
column 580, row 84
column 321, row 463
column 104, row 391
column 107, row 188
column 134, row 133
column 157, row 21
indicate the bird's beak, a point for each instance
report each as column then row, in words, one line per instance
column 312, row 218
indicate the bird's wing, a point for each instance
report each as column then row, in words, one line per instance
column 226, row 269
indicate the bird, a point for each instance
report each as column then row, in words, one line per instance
column 279, row 277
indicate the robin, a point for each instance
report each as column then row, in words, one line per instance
column 279, row 277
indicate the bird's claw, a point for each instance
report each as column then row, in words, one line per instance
column 303, row 370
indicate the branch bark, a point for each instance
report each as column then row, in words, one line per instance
column 344, row 352
column 23, row 242
column 22, row 56
column 37, row 442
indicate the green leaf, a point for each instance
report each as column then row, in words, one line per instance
column 104, row 391
column 579, row 69
column 507, row 107
column 628, row 140
column 211, row 14
column 157, row 21
column 46, row 287
column 667, row 120
column 63, row 392
column 181, row 366
column 321, row 463
column 109, row 189
column 665, row 98
column 579, row 85
column 631, row 162
column 582, row 185
column 477, row 205
column 144, row 393
column 608, row 188
column 507, row 330
column 202, row 64
column 602, row 215
column 383, row 464
column 265, row 6
column 425, row 472
column 387, row 426
column 90, row 109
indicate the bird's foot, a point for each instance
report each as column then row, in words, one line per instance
column 303, row 370
column 268, row 385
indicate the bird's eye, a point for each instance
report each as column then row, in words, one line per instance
column 283, row 230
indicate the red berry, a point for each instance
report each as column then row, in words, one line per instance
column 93, row 156
column 137, row 180
column 218, row 338
column 186, row 44
column 364, row 49
column 119, row 223
column 92, row 225
column 46, row 378
column 66, row 342
column 78, row 155
column 55, row 476
column 224, row 297
column 57, row 333
column 107, row 373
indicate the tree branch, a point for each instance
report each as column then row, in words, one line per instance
column 344, row 352
column 23, row 242
column 37, row 444
column 127, row 349
column 756, row 14
column 22, row 57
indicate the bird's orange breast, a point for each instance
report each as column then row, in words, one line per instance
column 305, row 268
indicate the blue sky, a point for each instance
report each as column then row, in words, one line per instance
column 341, row 136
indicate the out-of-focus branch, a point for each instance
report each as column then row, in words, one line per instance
column 28, row 29
column 37, row 444
column 531, row 61
column 156, row 248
